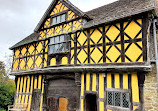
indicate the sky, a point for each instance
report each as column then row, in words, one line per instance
column 18, row 18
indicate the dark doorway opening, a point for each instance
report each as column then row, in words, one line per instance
column 91, row 102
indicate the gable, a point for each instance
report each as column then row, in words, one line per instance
column 58, row 7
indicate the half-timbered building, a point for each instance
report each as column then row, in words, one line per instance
column 101, row 60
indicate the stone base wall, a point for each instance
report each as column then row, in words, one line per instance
column 151, row 91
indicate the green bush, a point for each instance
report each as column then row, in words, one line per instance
column 7, row 89
column 2, row 109
column 7, row 92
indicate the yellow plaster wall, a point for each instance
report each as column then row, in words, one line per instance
column 53, row 62
column 98, row 85
column 25, row 56
column 25, row 85
column 113, row 47
column 132, row 50
column 67, row 27
column 64, row 61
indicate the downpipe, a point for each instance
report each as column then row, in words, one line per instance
column 155, row 46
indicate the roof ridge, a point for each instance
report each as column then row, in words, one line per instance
column 102, row 6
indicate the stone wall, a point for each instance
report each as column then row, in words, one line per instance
column 151, row 91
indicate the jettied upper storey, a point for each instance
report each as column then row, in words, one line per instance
column 110, row 37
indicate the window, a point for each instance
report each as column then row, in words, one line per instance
column 118, row 99
column 59, row 44
column 84, row 21
column 58, row 19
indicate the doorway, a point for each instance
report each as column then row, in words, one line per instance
column 91, row 102
column 62, row 104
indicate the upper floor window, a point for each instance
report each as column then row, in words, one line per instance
column 58, row 19
column 59, row 44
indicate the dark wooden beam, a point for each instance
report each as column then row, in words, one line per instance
column 86, row 68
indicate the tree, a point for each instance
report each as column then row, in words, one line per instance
column 3, row 76
column 7, row 88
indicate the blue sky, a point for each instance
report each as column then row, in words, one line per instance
column 18, row 18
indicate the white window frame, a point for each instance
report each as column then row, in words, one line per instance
column 113, row 90
column 56, row 19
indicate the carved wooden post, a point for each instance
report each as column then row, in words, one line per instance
column 78, row 83
column 36, row 99
column 45, row 94
column 141, row 78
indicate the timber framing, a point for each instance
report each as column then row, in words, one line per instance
column 87, row 33
column 79, row 69
column 107, row 57
column 50, row 8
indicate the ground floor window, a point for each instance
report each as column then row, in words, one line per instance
column 118, row 98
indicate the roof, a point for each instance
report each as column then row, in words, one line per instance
column 117, row 10
column 31, row 38
column 107, row 13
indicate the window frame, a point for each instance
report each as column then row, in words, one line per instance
column 58, row 15
column 68, row 42
column 121, row 99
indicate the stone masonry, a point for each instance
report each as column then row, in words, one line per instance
column 151, row 91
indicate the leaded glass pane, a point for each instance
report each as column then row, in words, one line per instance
column 118, row 99
column 56, row 47
column 63, row 18
column 57, row 39
column 117, row 96
column 61, row 48
column 125, row 100
column 67, row 47
column 67, row 38
column 51, row 49
column 110, row 98
column 62, row 38
column 52, row 41
column 58, row 19
column 54, row 21
column 84, row 22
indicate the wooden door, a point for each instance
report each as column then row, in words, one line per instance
column 52, row 104
column 62, row 104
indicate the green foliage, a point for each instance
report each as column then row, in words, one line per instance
column 2, row 109
column 7, row 89
column 3, row 76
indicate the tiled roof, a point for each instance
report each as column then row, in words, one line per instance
column 118, row 10
column 31, row 38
